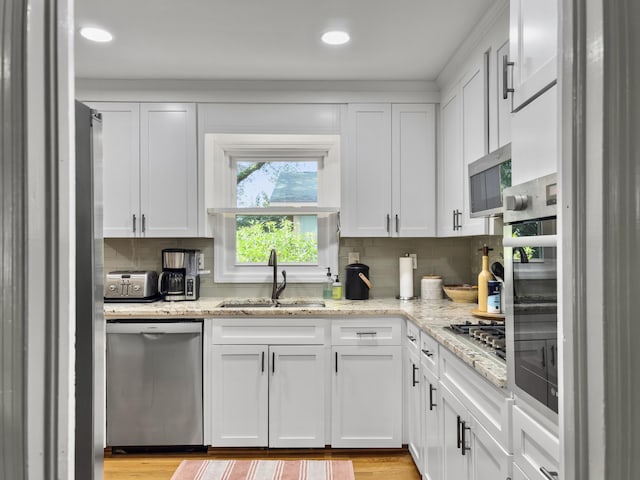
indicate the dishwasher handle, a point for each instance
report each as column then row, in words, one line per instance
column 153, row 328
column 153, row 336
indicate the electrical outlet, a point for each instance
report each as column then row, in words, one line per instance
column 201, row 261
column 414, row 256
column 354, row 257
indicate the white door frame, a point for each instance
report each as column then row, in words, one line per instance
column 600, row 121
column 38, row 240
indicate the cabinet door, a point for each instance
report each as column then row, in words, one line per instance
column 450, row 171
column 367, row 397
column 489, row 460
column 414, row 410
column 414, row 170
column 534, row 446
column 503, row 118
column 367, row 173
column 432, row 441
column 518, row 474
column 475, row 137
column 534, row 46
column 297, row 396
column 535, row 139
column 168, row 169
column 120, row 168
column 452, row 412
column 239, row 396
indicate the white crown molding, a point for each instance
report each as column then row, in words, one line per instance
column 256, row 91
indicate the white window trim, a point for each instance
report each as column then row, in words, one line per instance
column 220, row 149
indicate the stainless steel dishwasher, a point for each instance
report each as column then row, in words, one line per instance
column 154, row 383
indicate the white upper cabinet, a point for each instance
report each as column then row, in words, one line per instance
column 413, row 154
column 534, row 46
column 474, row 119
column 475, row 130
column 464, row 140
column 149, row 169
column 389, row 171
column 535, row 139
column 120, row 168
column 169, row 170
column 450, row 169
column 500, row 123
column 533, row 52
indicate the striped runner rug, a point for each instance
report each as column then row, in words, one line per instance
column 264, row 470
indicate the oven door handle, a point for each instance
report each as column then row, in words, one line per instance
column 536, row 241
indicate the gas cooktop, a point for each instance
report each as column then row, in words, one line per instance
column 488, row 333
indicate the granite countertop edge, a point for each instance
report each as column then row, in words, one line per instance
column 432, row 316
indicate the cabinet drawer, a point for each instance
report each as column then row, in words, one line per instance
column 489, row 404
column 413, row 336
column 429, row 352
column 534, row 446
column 269, row 331
column 367, row 331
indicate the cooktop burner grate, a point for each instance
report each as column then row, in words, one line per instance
column 488, row 333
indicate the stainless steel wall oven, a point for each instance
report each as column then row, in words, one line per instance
column 531, row 298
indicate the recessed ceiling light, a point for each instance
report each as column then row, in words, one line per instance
column 335, row 37
column 96, row 34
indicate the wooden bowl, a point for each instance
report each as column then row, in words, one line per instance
column 462, row 293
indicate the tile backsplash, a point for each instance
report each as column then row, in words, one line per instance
column 457, row 259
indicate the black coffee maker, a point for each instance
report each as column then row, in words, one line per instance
column 179, row 279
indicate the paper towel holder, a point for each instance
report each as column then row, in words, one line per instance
column 412, row 297
column 398, row 297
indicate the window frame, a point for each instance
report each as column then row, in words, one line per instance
column 222, row 151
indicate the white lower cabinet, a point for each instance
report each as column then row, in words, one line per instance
column 240, row 401
column 413, row 404
column 536, row 448
column 432, row 440
column 454, row 462
column 267, row 382
column 297, row 396
column 469, row 452
column 268, row 395
column 367, row 396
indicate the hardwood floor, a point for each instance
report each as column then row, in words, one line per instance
column 367, row 465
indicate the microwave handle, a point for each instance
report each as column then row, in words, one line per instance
column 537, row 241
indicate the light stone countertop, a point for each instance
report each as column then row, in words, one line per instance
column 432, row 316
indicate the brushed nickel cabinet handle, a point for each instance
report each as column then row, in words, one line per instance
column 505, row 77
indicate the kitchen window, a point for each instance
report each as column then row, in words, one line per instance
column 273, row 191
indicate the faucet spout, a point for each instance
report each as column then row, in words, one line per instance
column 283, row 285
column 273, row 262
column 276, row 289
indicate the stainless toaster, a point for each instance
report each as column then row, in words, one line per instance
column 125, row 285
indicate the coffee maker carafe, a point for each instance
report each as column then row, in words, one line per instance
column 179, row 279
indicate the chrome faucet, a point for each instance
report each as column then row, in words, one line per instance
column 276, row 289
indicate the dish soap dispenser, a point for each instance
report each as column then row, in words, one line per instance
column 327, row 291
column 336, row 289
column 483, row 279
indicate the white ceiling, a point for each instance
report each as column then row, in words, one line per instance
column 272, row 39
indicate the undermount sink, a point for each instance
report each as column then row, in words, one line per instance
column 267, row 303
column 300, row 304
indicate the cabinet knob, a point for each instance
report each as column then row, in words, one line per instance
column 516, row 202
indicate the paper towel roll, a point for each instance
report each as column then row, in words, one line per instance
column 406, row 277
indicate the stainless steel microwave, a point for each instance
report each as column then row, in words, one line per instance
column 488, row 177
